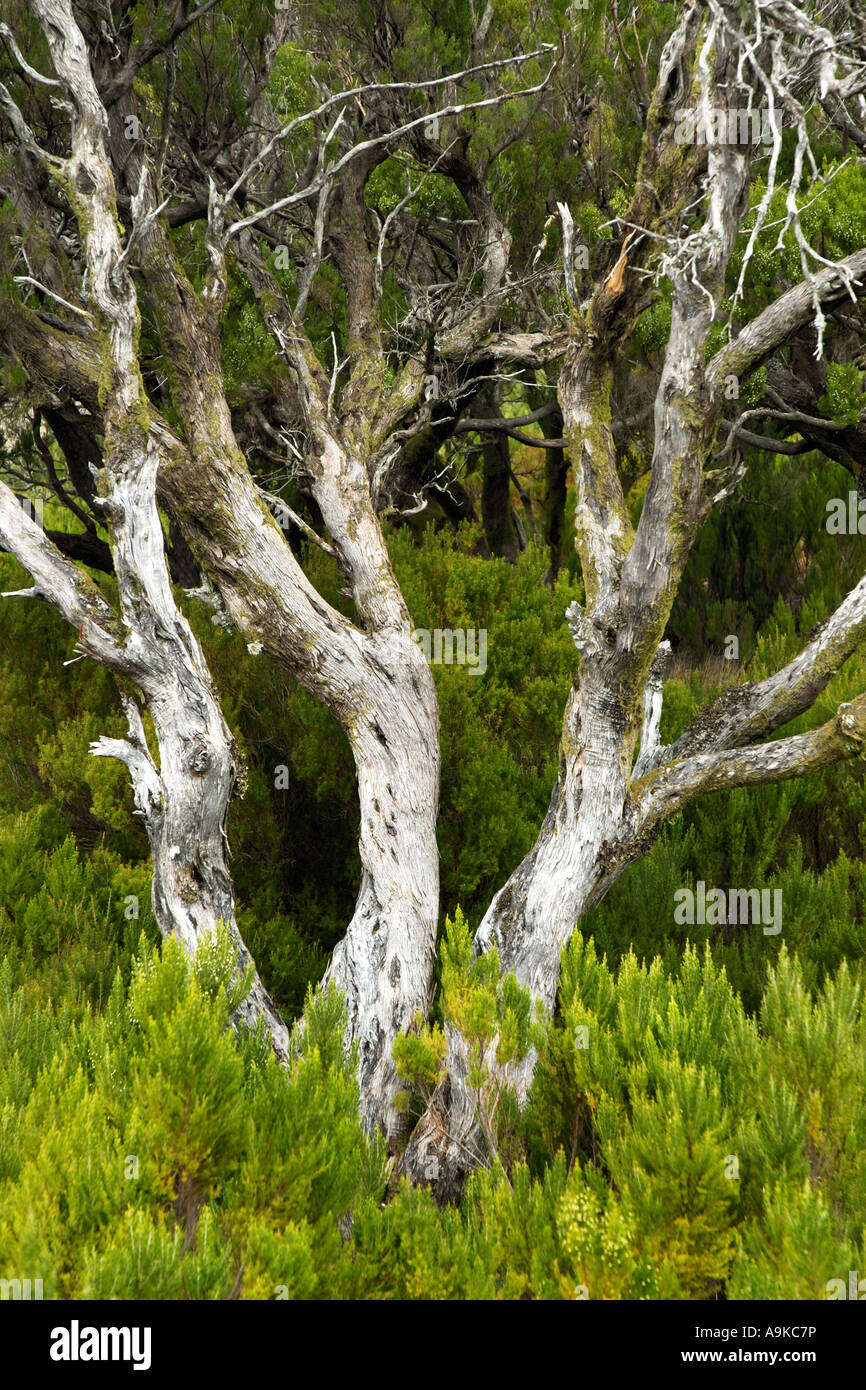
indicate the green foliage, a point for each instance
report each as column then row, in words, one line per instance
column 682, row 1115
column 795, row 1251
column 149, row 1153
column 679, row 1148
column 500, row 731
column 64, row 923
column 843, row 401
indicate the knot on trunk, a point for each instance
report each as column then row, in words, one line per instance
column 662, row 663
column 199, row 759
column 592, row 635
column 851, row 722
column 111, row 509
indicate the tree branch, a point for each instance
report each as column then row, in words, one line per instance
column 660, row 794
column 149, row 49
column 780, row 319
column 66, row 588
column 753, row 711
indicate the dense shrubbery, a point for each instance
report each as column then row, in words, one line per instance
column 698, row 1113
column 675, row 1147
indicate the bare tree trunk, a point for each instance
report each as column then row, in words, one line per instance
column 385, row 960
column 372, row 675
column 533, row 916
column 184, row 800
column 608, row 805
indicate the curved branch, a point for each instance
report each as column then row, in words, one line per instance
column 660, row 794
column 151, row 48
column 792, row 310
column 751, row 712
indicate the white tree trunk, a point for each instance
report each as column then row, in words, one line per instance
column 184, row 800
column 533, row 916
column 385, row 960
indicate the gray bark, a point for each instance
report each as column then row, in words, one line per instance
column 608, row 803
column 183, row 799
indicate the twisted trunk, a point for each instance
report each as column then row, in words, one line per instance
column 385, row 960
column 185, row 798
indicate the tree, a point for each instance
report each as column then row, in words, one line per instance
column 334, row 213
